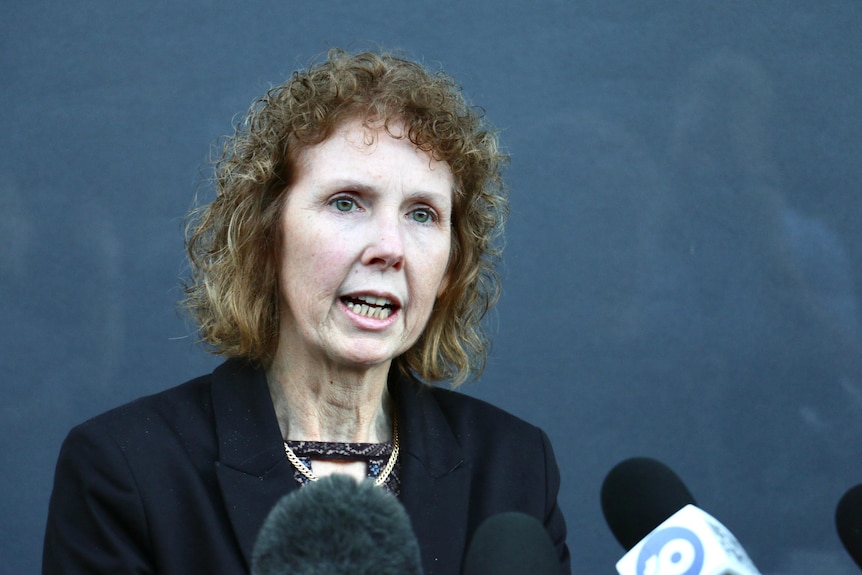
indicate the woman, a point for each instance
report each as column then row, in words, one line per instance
column 344, row 266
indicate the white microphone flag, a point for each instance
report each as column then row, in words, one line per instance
column 689, row 542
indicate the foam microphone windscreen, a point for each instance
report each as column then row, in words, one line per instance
column 848, row 521
column 637, row 495
column 337, row 526
column 511, row 543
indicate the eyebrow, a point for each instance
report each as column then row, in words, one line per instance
column 349, row 184
column 358, row 186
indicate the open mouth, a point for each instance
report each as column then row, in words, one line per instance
column 369, row 306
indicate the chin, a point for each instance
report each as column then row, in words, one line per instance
column 367, row 358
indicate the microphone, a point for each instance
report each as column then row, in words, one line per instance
column 848, row 521
column 639, row 494
column 337, row 526
column 511, row 543
column 655, row 518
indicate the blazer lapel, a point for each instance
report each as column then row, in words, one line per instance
column 435, row 478
column 252, row 471
column 254, row 474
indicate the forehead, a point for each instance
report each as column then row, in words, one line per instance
column 374, row 150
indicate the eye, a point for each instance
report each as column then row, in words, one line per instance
column 343, row 203
column 423, row 215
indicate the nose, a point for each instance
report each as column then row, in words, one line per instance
column 385, row 246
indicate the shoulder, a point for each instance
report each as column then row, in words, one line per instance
column 134, row 483
column 175, row 408
column 176, row 423
column 467, row 412
column 114, row 470
column 509, row 462
column 477, row 426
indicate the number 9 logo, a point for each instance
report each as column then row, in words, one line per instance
column 671, row 551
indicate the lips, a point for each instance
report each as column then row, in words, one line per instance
column 375, row 307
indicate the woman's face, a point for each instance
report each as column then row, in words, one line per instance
column 367, row 235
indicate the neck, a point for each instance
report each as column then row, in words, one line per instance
column 331, row 405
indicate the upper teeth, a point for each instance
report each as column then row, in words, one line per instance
column 373, row 300
column 370, row 306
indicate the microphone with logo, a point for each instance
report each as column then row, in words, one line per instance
column 337, row 526
column 655, row 518
column 848, row 521
column 511, row 543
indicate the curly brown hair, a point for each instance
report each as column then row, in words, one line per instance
column 234, row 244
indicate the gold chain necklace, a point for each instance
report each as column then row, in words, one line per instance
column 381, row 479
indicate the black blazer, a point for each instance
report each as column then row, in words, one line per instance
column 180, row 482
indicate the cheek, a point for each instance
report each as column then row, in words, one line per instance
column 306, row 246
column 445, row 273
column 439, row 271
column 321, row 272
column 446, row 255
column 308, row 267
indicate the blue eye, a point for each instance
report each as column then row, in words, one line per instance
column 344, row 204
column 422, row 215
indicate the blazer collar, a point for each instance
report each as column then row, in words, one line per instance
column 435, row 477
column 254, row 473
column 252, row 470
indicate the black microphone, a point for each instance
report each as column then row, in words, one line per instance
column 848, row 521
column 511, row 543
column 637, row 495
column 653, row 515
column 337, row 526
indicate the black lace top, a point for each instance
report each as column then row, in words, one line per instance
column 375, row 456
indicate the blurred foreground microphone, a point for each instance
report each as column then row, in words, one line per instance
column 654, row 517
column 848, row 521
column 511, row 543
column 336, row 526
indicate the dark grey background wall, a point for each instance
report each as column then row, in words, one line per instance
column 684, row 255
